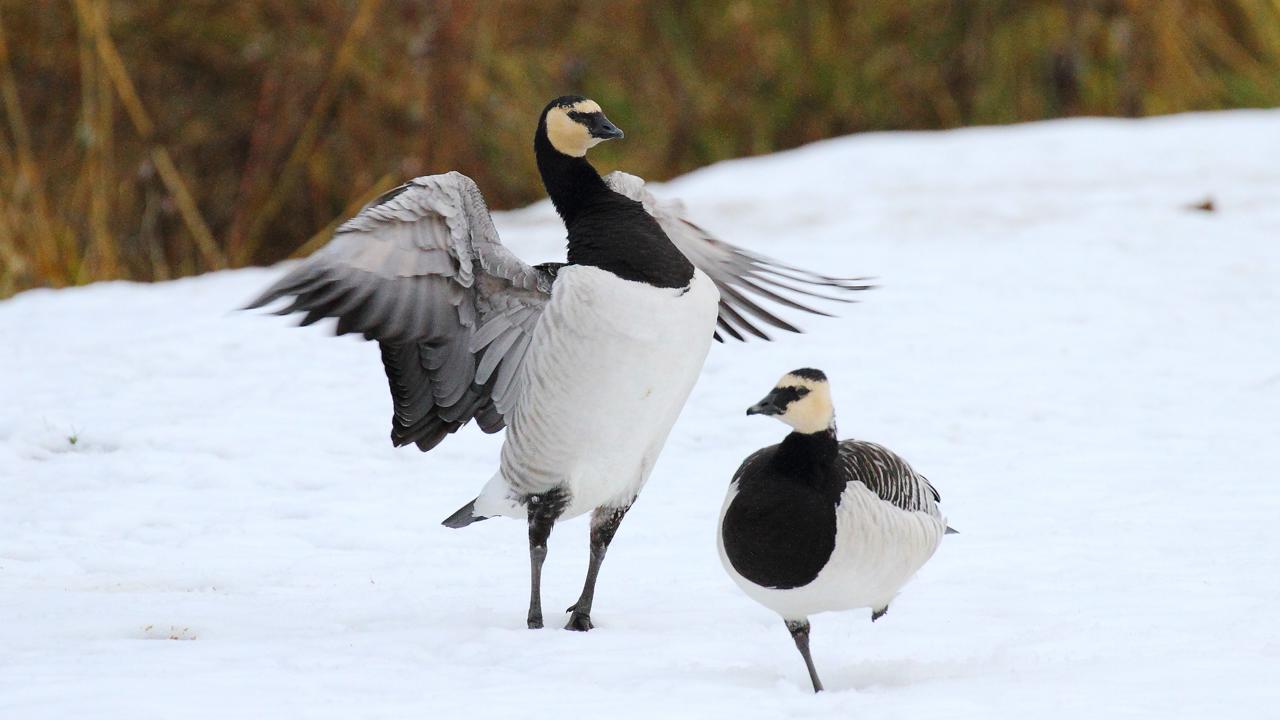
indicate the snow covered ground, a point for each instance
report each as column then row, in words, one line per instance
column 201, row 515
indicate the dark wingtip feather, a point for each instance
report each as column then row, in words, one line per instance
column 277, row 290
column 297, row 283
column 857, row 284
column 271, row 294
column 464, row 516
column 729, row 329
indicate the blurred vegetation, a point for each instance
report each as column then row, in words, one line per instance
column 148, row 139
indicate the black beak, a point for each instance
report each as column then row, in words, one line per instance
column 765, row 407
column 603, row 129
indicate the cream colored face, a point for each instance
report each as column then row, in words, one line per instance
column 568, row 135
column 810, row 413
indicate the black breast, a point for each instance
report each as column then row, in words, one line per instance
column 615, row 233
column 780, row 529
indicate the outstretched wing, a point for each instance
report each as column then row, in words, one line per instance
column 422, row 271
column 744, row 278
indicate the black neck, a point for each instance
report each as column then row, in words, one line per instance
column 570, row 181
column 607, row 230
column 801, row 452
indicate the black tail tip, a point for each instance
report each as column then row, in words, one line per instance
column 463, row 517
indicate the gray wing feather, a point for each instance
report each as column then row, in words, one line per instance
column 422, row 271
column 888, row 476
column 743, row 277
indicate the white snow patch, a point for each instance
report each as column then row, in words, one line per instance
column 1088, row 371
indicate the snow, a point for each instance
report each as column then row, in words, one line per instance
column 201, row 515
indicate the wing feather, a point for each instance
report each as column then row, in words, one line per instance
column 888, row 476
column 422, row 271
column 739, row 274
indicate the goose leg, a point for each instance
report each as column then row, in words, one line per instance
column 604, row 523
column 543, row 511
column 799, row 630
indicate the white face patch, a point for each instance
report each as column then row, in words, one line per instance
column 568, row 135
column 813, row 412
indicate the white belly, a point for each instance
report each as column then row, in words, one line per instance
column 609, row 367
column 879, row 547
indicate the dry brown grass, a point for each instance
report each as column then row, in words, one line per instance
column 150, row 139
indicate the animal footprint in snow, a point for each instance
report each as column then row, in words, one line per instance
column 170, row 632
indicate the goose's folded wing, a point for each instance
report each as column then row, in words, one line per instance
column 888, row 476
column 748, row 282
column 422, row 271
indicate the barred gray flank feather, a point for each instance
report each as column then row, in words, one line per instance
column 741, row 276
column 422, row 271
column 888, row 476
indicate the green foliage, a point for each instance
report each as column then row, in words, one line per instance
column 147, row 139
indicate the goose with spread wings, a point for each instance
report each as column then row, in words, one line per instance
column 585, row 363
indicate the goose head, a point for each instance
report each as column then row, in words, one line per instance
column 573, row 125
column 801, row 399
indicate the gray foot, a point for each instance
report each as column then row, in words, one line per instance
column 578, row 621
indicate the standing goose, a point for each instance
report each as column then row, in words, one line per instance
column 814, row 524
column 586, row 363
